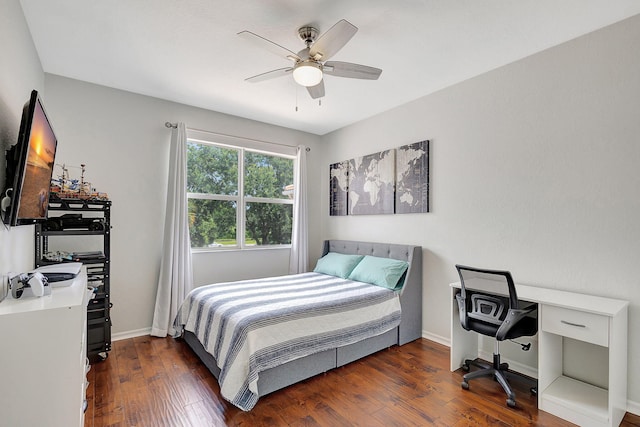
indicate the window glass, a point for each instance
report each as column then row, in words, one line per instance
column 266, row 176
column 212, row 223
column 269, row 223
column 211, row 169
column 238, row 198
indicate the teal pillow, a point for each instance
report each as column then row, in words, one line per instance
column 336, row 264
column 385, row 272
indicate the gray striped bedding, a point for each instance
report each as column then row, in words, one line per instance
column 253, row 325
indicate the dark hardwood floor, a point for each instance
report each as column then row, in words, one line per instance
column 149, row 381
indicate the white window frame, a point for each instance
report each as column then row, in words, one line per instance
column 242, row 146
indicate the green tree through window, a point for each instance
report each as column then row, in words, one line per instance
column 238, row 197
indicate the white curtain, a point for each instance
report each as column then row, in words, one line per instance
column 175, row 269
column 298, row 262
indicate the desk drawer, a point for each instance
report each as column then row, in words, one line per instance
column 580, row 325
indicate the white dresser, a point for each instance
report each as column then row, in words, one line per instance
column 43, row 358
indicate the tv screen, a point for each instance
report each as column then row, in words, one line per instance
column 30, row 166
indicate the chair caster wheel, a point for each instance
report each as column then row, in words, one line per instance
column 466, row 367
column 464, row 385
column 511, row 403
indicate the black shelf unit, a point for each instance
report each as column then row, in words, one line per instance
column 98, row 265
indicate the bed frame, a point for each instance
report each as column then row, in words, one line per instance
column 410, row 327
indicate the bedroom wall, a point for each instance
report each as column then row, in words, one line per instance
column 20, row 73
column 122, row 139
column 534, row 169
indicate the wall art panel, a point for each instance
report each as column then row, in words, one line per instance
column 338, row 188
column 412, row 178
column 371, row 184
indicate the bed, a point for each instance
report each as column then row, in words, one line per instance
column 232, row 347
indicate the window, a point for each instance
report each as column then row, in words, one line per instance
column 238, row 197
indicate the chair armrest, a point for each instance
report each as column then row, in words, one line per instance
column 512, row 319
column 462, row 310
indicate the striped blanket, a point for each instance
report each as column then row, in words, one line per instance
column 253, row 325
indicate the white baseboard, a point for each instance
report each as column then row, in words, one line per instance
column 436, row 338
column 633, row 407
column 130, row 334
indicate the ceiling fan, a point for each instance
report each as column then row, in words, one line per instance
column 312, row 62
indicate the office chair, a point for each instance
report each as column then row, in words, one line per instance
column 491, row 313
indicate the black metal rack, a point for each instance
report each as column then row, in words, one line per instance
column 97, row 262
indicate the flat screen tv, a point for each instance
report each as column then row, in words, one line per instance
column 30, row 161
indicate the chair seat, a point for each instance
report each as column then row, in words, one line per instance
column 526, row 327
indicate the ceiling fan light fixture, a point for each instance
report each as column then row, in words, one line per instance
column 307, row 73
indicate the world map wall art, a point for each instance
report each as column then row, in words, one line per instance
column 391, row 181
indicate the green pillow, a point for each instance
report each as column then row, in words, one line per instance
column 336, row 264
column 385, row 272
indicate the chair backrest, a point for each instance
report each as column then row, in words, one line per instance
column 487, row 308
column 497, row 294
column 497, row 282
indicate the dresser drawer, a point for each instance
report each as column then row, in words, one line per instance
column 580, row 325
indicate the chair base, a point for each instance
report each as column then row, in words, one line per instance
column 498, row 371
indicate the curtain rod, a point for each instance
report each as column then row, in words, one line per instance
column 175, row 125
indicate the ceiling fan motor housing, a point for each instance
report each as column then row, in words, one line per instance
column 308, row 35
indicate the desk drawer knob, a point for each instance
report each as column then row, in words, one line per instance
column 573, row 324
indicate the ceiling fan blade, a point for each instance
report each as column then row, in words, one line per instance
column 353, row 71
column 316, row 91
column 269, row 45
column 333, row 40
column 269, row 75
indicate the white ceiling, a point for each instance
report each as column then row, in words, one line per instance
column 187, row 51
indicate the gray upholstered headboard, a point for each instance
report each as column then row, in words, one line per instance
column 411, row 295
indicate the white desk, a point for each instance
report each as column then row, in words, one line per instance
column 595, row 320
